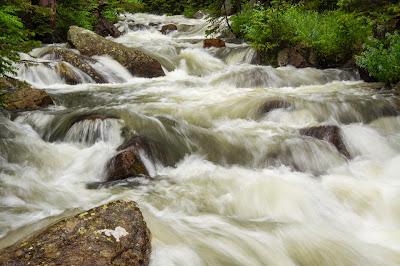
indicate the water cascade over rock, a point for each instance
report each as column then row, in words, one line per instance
column 81, row 62
column 138, row 63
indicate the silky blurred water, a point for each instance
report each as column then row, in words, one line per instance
column 235, row 186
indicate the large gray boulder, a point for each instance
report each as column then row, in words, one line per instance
column 89, row 44
column 111, row 234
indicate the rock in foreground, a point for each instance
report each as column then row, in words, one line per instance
column 112, row 234
column 138, row 63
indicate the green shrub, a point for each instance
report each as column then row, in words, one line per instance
column 381, row 58
column 334, row 35
column 14, row 38
column 265, row 28
column 3, row 97
column 79, row 13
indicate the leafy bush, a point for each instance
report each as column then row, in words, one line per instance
column 334, row 35
column 381, row 58
column 265, row 28
column 3, row 97
column 14, row 38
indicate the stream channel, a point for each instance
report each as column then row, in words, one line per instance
column 236, row 186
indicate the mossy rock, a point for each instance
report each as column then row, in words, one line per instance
column 27, row 99
column 111, row 234
column 138, row 63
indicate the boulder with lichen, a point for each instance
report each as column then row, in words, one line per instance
column 111, row 234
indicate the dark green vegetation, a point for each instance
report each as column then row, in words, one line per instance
column 381, row 58
column 340, row 32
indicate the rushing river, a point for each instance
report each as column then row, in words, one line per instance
column 236, row 187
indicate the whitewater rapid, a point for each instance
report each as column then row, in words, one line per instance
column 236, row 187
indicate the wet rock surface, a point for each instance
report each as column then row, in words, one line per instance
column 27, row 99
column 111, row 234
column 67, row 74
column 127, row 163
column 213, row 43
column 105, row 28
column 299, row 57
column 138, row 63
column 330, row 134
column 166, row 29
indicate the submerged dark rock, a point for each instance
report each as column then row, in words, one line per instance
column 138, row 63
column 213, row 43
column 166, row 29
column 270, row 105
column 94, row 117
column 111, row 234
column 330, row 134
column 27, row 99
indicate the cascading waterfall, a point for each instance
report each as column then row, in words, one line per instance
column 235, row 185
